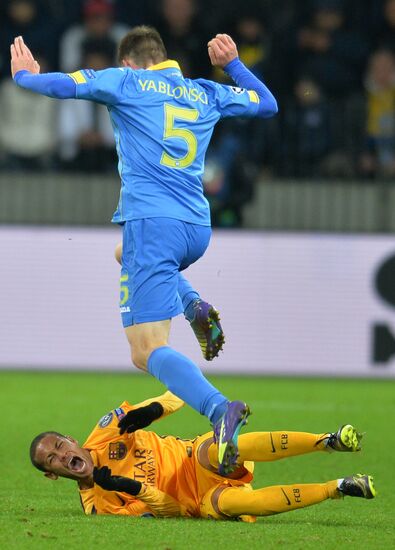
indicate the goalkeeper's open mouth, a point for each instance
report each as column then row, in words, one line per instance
column 76, row 464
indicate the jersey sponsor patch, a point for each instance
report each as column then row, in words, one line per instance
column 120, row 413
column 105, row 420
column 117, row 451
column 237, row 90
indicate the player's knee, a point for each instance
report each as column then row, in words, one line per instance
column 209, row 504
column 139, row 359
column 142, row 352
column 143, row 342
column 225, row 509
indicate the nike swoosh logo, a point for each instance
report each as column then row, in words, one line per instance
column 221, row 444
column 222, row 432
column 285, row 494
column 273, row 447
column 326, row 436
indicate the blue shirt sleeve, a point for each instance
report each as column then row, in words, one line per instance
column 57, row 85
column 105, row 86
column 101, row 86
column 257, row 90
column 233, row 101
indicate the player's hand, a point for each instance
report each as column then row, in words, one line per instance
column 222, row 50
column 104, row 478
column 140, row 418
column 22, row 58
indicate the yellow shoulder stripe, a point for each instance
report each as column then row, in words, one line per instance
column 168, row 64
column 254, row 98
column 78, row 77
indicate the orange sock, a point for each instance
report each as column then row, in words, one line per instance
column 269, row 446
column 237, row 501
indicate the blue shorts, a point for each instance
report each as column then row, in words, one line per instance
column 154, row 251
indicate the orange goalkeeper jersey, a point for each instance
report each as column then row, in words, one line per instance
column 173, row 480
column 165, row 465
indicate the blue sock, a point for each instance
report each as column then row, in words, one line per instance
column 188, row 296
column 183, row 378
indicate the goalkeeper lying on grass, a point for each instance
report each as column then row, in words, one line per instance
column 122, row 469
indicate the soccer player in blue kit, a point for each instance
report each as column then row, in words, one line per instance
column 162, row 123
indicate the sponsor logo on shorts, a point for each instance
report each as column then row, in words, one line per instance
column 105, row 420
column 125, row 309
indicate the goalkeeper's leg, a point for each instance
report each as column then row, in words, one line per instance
column 269, row 446
column 224, row 502
column 234, row 501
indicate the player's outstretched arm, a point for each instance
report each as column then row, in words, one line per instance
column 140, row 418
column 223, row 53
column 143, row 414
column 26, row 73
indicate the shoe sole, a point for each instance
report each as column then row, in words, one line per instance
column 212, row 348
column 231, row 452
column 365, row 484
column 372, row 488
column 350, row 438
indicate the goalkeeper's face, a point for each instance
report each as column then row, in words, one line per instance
column 61, row 456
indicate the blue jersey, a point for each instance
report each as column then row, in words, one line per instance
column 163, row 123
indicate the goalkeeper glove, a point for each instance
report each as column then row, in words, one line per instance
column 140, row 418
column 103, row 478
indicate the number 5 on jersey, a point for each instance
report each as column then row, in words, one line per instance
column 124, row 289
column 171, row 114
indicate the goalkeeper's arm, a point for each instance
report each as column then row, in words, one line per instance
column 143, row 414
column 161, row 504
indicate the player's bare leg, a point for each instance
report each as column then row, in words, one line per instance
column 144, row 338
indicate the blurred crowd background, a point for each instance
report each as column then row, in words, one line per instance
column 330, row 64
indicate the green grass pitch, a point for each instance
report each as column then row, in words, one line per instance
column 38, row 513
